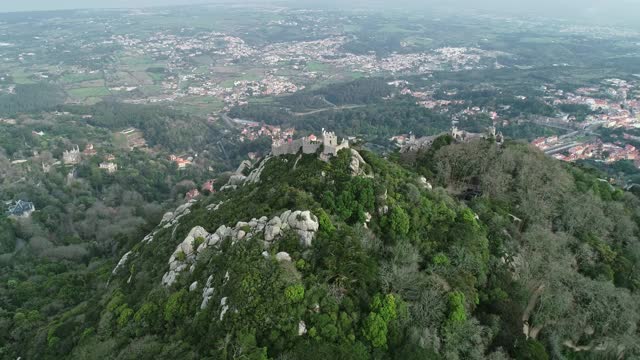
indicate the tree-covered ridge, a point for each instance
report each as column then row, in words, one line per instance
column 539, row 264
column 56, row 261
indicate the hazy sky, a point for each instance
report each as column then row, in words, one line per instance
column 596, row 9
column 29, row 5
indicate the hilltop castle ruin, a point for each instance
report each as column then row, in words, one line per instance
column 310, row 145
column 72, row 157
column 425, row 142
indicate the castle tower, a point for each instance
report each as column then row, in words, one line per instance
column 329, row 139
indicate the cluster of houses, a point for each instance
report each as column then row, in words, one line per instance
column 181, row 161
column 206, row 187
column 611, row 101
column 597, row 150
column 253, row 130
column 74, row 157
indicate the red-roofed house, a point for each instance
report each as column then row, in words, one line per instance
column 208, row 186
column 89, row 150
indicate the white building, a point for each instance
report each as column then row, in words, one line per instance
column 109, row 166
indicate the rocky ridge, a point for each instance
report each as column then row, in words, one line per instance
column 303, row 223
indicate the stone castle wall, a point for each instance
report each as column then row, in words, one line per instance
column 333, row 149
column 284, row 148
column 309, row 147
column 329, row 142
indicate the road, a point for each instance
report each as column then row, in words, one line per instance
column 569, row 140
column 344, row 107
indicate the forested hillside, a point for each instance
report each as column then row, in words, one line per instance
column 509, row 254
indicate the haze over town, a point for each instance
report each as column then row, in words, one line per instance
column 611, row 11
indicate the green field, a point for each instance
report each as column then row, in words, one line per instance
column 20, row 77
column 89, row 92
column 199, row 105
column 156, row 76
column 77, row 78
column 317, row 66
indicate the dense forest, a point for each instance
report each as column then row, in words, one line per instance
column 509, row 255
column 51, row 262
column 363, row 107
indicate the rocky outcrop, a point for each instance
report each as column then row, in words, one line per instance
column 424, row 183
column 214, row 207
column 283, row 256
column 367, row 219
column 239, row 179
column 207, row 293
column 357, row 164
column 184, row 257
column 273, row 229
column 304, row 223
column 302, row 328
column 254, row 176
column 236, row 179
column 170, row 219
column 121, row 263
column 228, row 187
column 224, row 307
column 244, row 166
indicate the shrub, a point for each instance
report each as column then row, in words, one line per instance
column 457, row 312
column 441, row 259
column 294, row 293
column 181, row 256
column 197, row 242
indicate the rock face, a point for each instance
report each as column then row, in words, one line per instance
column 224, row 307
column 238, row 179
column 274, row 228
column 302, row 328
column 357, row 164
column 170, row 219
column 207, row 293
column 185, row 254
column 254, row 176
column 121, row 263
column 184, row 257
column 214, row 207
column 303, row 223
column 245, row 165
column 424, row 183
column 283, row 256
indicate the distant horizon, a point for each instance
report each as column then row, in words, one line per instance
column 37, row 6
column 615, row 12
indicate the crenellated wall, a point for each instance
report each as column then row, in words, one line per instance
column 329, row 142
